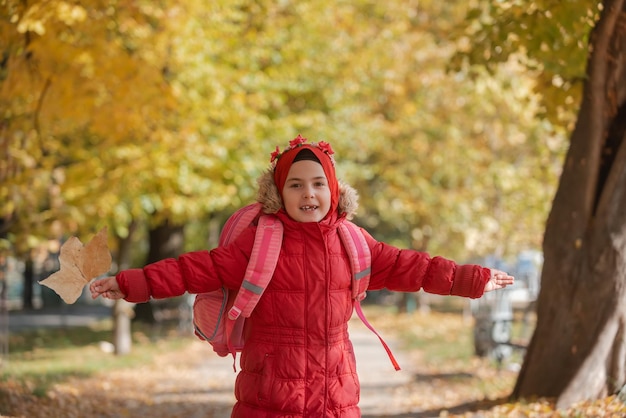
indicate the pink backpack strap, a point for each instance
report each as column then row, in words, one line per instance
column 360, row 258
column 361, row 264
column 359, row 312
column 233, row 327
column 261, row 266
column 239, row 221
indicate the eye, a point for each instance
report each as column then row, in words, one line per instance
column 320, row 184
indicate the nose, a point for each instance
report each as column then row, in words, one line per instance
column 308, row 192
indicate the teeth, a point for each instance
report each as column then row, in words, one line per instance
column 308, row 207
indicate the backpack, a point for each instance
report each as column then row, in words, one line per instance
column 219, row 316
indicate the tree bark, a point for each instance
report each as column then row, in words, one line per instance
column 29, row 279
column 578, row 350
column 122, row 310
column 166, row 241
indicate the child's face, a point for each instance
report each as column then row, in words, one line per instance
column 306, row 194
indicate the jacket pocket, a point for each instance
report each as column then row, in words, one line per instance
column 353, row 372
column 267, row 378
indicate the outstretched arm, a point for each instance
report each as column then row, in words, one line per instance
column 498, row 280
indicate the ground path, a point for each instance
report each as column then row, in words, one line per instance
column 195, row 383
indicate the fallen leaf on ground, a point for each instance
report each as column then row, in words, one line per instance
column 79, row 264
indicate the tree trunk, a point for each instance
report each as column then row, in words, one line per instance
column 166, row 241
column 122, row 310
column 122, row 339
column 29, row 279
column 4, row 312
column 578, row 350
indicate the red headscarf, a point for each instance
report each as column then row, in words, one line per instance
column 322, row 151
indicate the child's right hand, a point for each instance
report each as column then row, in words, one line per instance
column 107, row 288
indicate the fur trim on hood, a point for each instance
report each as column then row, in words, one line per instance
column 269, row 197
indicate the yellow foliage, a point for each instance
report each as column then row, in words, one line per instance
column 175, row 106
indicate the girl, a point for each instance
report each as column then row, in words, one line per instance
column 298, row 360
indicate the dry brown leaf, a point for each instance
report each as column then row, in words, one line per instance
column 79, row 264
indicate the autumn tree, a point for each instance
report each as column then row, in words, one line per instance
column 152, row 116
column 578, row 350
column 132, row 112
column 581, row 330
column 136, row 113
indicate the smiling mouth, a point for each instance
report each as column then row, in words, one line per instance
column 308, row 208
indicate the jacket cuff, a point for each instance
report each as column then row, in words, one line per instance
column 470, row 280
column 133, row 285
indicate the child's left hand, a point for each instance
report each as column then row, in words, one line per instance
column 498, row 280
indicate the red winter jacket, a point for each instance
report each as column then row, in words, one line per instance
column 298, row 360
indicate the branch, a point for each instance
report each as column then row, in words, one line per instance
column 42, row 96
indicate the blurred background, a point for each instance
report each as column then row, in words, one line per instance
column 156, row 118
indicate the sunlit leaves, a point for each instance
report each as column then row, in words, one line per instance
column 550, row 38
column 441, row 155
column 129, row 111
column 77, row 90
